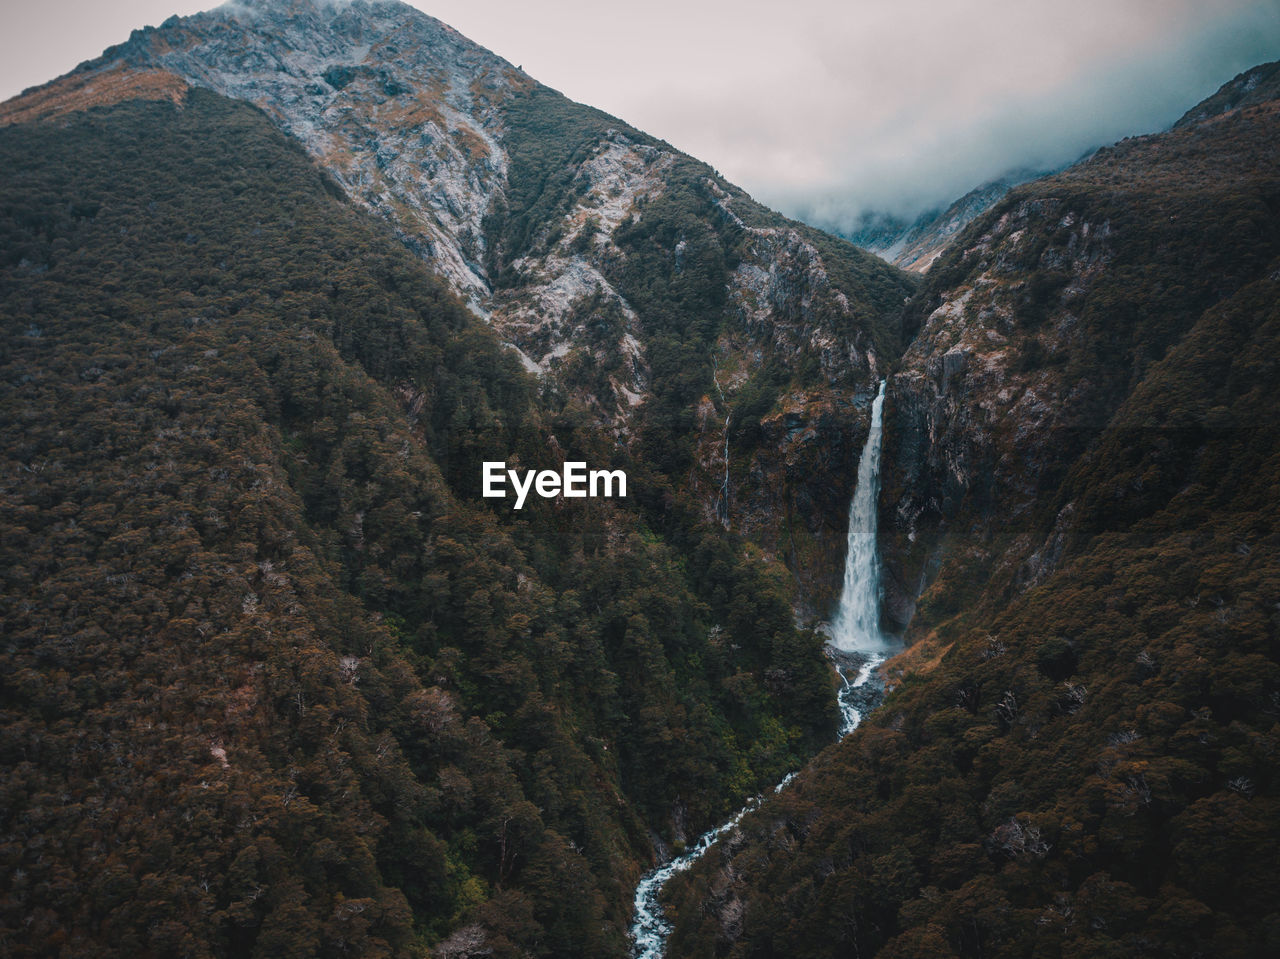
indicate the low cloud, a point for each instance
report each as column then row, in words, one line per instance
column 939, row 152
column 823, row 108
column 832, row 108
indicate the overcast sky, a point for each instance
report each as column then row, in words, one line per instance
column 819, row 108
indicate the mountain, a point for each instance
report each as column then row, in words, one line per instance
column 277, row 679
column 1080, row 535
column 1251, row 88
column 635, row 281
column 278, row 279
column 915, row 245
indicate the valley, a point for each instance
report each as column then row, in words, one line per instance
column 918, row 613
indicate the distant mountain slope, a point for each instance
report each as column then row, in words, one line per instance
column 916, row 245
column 644, row 289
column 1081, row 475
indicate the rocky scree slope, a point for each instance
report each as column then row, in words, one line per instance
column 1081, row 468
column 650, row 295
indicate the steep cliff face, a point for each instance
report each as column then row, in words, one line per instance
column 1033, row 330
column 780, row 430
column 1080, row 465
column 585, row 243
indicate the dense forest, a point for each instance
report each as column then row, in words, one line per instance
column 275, row 680
column 1082, row 462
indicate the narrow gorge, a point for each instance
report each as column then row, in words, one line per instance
column 857, row 646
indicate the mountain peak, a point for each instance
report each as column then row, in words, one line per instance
column 508, row 189
column 322, row 27
column 239, row 9
column 399, row 107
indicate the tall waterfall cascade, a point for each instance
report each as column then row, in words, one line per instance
column 857, row 644
column 857, row 647
column 856, row 627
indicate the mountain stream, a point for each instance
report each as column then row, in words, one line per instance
column 857, row 647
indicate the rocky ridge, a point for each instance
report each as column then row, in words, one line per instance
column 535, row 209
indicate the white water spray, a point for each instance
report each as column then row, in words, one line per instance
column 650, row 929
column 857, row 648
column 856, row 627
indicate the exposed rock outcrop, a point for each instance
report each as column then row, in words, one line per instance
column 1025, row 339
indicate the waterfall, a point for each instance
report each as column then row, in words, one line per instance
column 857, row 647
column 856, row 627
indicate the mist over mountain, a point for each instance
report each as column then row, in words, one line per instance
column 831, row 110
column 914, row 245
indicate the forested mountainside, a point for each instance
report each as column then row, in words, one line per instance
column 275, row 679
column 1081, row 488
column 652, row 297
